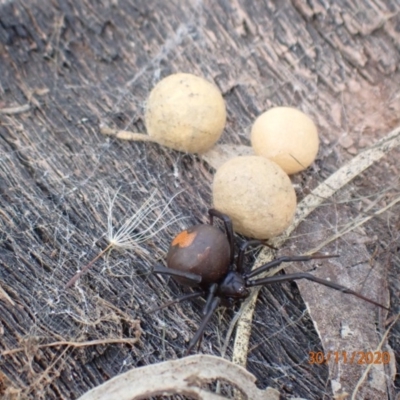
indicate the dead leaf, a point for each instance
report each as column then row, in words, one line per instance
column 186, row 376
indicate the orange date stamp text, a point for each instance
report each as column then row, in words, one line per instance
column 349, row 357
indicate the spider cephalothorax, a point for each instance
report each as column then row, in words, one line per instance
column 203, row 257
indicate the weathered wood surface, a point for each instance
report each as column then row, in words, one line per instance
column 73, row 65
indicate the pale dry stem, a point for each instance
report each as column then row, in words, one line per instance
column 353, row 225
column 369, row 366
column 127, row 135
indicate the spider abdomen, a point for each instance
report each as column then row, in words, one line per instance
column 201, row 249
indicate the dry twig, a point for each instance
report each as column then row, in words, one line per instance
column 75, row 344
column 15, row 110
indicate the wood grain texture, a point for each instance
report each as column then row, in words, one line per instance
column 69, row 66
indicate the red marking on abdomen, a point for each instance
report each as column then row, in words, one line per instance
column 184, row 239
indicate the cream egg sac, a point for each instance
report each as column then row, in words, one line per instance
column 256, row 194
column 186, row 113
column 286, row 136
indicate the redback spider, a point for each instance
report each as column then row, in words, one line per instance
column 203, row 256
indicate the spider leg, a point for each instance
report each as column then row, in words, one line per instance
column 243, row 248
column 305, row 275
column 228, row 227
column 192, row 278
column 280, row 260
column 211, row 294
column 196, row 338
column 177, row 300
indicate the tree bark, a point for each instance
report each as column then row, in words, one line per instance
column 69, row 67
